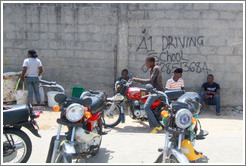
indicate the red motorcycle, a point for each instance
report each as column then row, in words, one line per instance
column 134, row 99
column 82, row 116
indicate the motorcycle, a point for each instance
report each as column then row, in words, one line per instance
column 82, row 116
column 133, row 97
column 180, row 123
column 17, row 146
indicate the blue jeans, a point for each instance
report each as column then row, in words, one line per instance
column 32, row 84
column 151, row 117
column 211, row 101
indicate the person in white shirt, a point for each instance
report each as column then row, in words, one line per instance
column 176, row 82
column 32, row 69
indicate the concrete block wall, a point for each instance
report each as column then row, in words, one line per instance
column 86, row 44
column 75, row 42
column 200, row 38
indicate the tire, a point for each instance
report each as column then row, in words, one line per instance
column 94, row 152
column 60, row 158
column 48, row 159
column 22, row 140
column 113, row 120
column 172, row 159
column 159, row 159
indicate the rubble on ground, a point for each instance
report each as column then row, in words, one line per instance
column 237, row 109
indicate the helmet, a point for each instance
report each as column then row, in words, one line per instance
column 191, row 153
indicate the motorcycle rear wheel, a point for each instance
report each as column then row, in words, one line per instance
column 113, row 119
column 22, row 146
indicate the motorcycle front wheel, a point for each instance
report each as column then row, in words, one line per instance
column 17, row 146
column 48, row 159
column 172, row 159
column 60, row 158
column 112, row 118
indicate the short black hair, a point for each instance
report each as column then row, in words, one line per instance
column 178, row 70
column 211, row 75
column 33, row 53
column 124, row 70
column 150, row 59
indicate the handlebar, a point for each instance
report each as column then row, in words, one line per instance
column 94, row 92
column 52, row 85
column 47, row 82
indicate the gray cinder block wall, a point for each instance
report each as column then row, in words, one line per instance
column 89, row 44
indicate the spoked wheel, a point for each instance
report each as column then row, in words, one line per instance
column 17, row 146
column 111, row 115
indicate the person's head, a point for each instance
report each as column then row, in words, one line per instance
column 210, row 78
column 150, row 62
column 178, row 73
column 124, row 74
column 32, row 54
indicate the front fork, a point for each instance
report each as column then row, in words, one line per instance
column 68, row 148
column 168, row 150
column 122, row 114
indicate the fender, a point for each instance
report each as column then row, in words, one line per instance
column 27, row 125
column 179, row 156
column 31, row 128
column 68, row 150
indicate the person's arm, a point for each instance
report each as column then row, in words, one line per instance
column 150, row 80
column 202, row 88
column 40, row 70
column 167, row 85
column 182, row 86
column 23, row 73
column 217, row 91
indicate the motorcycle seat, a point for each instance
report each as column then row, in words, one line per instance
column 174, row 94
column 16, row 114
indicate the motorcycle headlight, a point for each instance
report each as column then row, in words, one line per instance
column 75, row 112
column 183, row 118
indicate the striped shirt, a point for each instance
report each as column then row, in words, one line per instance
column 171, row 84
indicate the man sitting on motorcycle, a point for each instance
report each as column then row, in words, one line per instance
column 124, row 75
column 156, row 81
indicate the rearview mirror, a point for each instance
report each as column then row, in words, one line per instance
column 60, row 98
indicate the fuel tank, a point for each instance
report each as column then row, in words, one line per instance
column 134, row 93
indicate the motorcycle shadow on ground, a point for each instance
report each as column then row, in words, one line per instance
column 132, row 126
column 103, row 156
